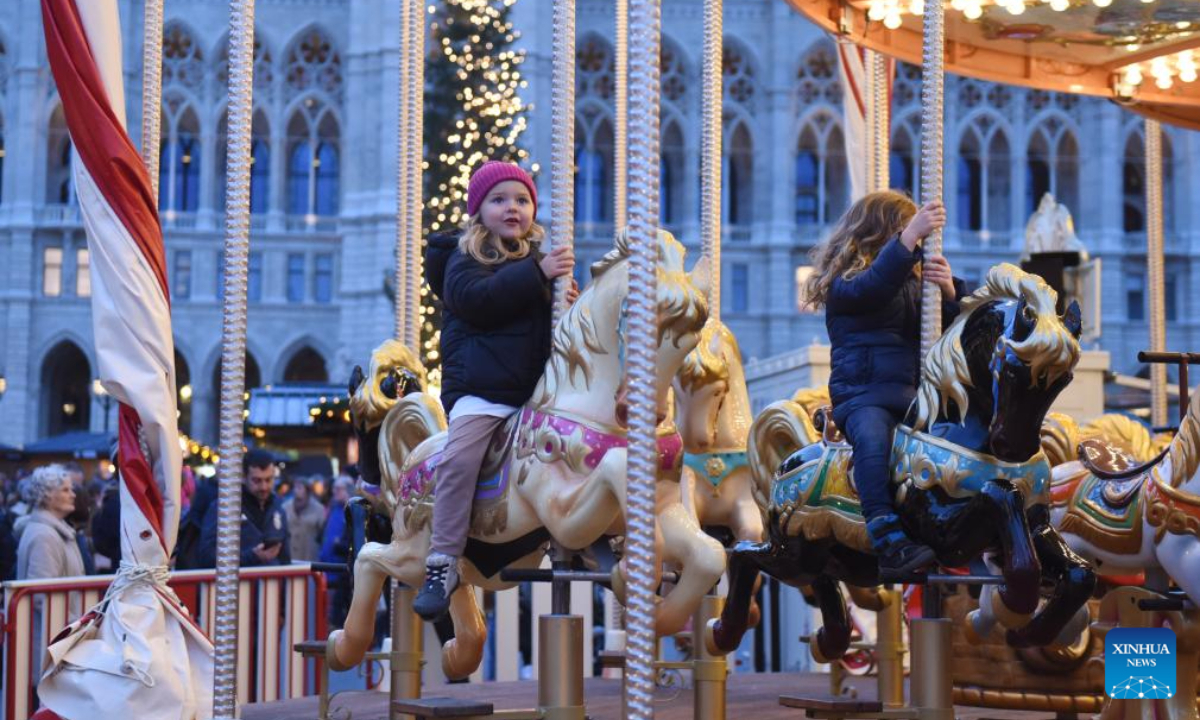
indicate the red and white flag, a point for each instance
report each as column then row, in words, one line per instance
column 138, row 650
column 856, row 99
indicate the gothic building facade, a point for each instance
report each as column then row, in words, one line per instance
column 323, row 179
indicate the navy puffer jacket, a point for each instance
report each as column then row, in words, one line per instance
column 495, row 323
column 874, row 325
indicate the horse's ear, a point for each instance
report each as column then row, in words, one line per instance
column 356, row 379
column 1023, row 323
column 702, row 275
column 1073, row 319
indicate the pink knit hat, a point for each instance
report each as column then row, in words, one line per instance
column 489, row 175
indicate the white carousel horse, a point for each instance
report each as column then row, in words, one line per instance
column 556, row 471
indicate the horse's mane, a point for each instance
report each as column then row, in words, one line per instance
column 368, row 403
column 1050, row 349
column 702, row 366
column 681, row 308
column 1184, row 450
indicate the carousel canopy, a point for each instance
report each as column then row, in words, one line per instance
column 1142, row 53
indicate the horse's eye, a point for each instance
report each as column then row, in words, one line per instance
column 1030, row 315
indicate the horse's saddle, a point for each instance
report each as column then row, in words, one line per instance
column 1111, row 462
column 1107, row 513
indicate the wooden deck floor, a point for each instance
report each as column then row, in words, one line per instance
column 750, row 697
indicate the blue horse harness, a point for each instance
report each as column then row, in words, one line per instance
column 715, row 466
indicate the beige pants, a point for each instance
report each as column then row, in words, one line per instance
column 457, row 475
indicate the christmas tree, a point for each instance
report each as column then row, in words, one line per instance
column 473, row 113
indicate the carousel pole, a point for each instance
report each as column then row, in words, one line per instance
column 889, row 639
column 402, row 275
column 710, row 148
column 932, row 117
column 406, row 627
column 1154, row 268
column 415, row 147
column 562, row 150
column 152, row 32
column 644, row 80
column 233, row 355
column 621, row 101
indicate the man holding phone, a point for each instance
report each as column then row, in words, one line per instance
column 264, row 522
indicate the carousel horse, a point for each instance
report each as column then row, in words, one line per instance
column 971, row 477
column 1061, row 437
column 555, row 471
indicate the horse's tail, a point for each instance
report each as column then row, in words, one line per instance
column 1059, row 436
column 414, row 418
column 780, row 430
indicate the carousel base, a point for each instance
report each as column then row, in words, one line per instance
column 750, row 695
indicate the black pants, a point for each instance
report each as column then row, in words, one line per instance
column 869, row 430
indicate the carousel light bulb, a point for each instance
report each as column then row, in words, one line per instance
column 1102, row 3
column 1133, row 75
column 877, row 11
column 892, row 20
column 1159, row 67
column 974, row 11
column 1163, row 83
column 1188, row 74
column 1016, row 7
column 916, row 7
column 1059, row 5
column 957, row 5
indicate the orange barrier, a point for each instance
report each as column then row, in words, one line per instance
column 277, row 606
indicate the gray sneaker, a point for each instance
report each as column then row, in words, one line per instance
column 441, row 580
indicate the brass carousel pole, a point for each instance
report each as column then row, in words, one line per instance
column 233, row 355
column 1154, row 270
column 644, row 165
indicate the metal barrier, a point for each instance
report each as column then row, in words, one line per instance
column 278, row 606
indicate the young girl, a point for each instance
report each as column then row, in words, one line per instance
column 865, row 275
column 496, row 291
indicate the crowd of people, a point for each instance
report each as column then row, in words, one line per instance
column 55, row 522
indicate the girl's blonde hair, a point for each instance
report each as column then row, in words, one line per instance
column 855, row 241
column 487, row 247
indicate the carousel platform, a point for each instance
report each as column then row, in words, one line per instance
column 750, row 695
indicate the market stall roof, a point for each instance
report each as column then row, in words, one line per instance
column 78, row 444
column 1144, row 55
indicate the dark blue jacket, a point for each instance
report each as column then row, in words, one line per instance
column 259, row 523
column 874, row 324
column 495, row 323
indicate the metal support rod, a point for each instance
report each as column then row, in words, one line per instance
column 415, row 110
column 405, row 661
column 1154, row 269
column 644, row 166
column 402, row 275
column 931, row 689
column 233, row 354
column 712, row 100
column 620, row 119
column 889, row 649
column 708, row 671
column 562, row 152
column 560, row 584
column 932, row 115
column 560, row 667
column 152, row 41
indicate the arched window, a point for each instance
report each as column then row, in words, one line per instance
column 183, row 58
column 60, row 188
column 982, row 193
column 66, row 389
column 970, row 183
column 253, row 380
column 674, row 75
column 594, row 170
column 264, row 69
column 306, row 366
column 313, row 179
column 821, row 175
column 314, row 63
column 260, row 162
column 671, row 180
column 1, row 148
column 737, row 75
column 739, row 177
column 903, row 167
column 179, row 160
column 1133, row 183
column 1052, row 165
column 183, row 392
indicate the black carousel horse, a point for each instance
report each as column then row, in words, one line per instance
column 973, row 482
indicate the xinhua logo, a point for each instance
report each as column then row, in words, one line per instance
column 1139, row 663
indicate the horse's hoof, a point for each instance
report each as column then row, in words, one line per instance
column 814, row 648
column 971, row 629
column 618, row 583
column 1006, row 616
column 710, row 640
column 331, row 657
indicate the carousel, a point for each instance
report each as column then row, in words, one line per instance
column 1049, row 534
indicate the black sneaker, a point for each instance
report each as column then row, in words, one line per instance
column 441, row 580
column 898, row 556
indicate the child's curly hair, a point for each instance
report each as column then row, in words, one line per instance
column 487, row 247
column 855, row 241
